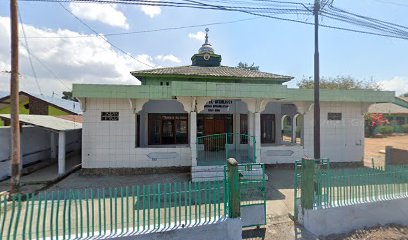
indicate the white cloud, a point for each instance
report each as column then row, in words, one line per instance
column 200, row 36
column 151, row 11
column 105, row 13
column 73, row 60
column 397, row 84
column 168, row 58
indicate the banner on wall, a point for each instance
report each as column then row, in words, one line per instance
column 218, row 105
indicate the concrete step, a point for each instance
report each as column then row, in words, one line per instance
column 216, row 173
column 207, row 173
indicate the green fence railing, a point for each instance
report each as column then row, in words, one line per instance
column 217, row 148
column 85, row 213
column 340, row 187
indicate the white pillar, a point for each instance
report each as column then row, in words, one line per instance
column 193, row 138
column 61, row 153
column 257, row 130
column 251, row 131
column 53, row 146
column 294, row 127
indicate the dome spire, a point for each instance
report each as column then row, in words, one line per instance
column 206, row 35
column 206, row 56
column 206, row 47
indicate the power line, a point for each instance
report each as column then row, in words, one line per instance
column 153, row 30
column 49, row 70
column 29, row 53
column 113, row 45
column 269, row 9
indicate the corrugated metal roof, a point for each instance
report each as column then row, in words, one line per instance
column 48, row 122
column 387, row 108
column 68, row 105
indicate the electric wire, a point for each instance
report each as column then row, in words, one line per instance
column 29, row 53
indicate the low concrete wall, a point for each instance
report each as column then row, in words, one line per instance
column 323, row 222
column 35, row 146
column 224, row 229
column 395, row 156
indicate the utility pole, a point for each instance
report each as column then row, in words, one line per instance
column 14, row 103
column 316, row 11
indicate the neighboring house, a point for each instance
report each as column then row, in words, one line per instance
column 40, row 105
column 198, row 115
column 397, row 115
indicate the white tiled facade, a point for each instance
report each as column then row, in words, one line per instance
column 112, row 144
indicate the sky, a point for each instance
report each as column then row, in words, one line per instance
column 64, row 51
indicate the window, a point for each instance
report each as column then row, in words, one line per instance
column 268, row 128
column 109, row 116
column 168, row 129
column 243, row 128
column 400, row 120
column 137, row 130
column 334, row 116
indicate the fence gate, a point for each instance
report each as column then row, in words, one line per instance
column 252, row 185
column 216, row 148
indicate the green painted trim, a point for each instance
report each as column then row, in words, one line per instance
column 227, row 90
column 400, row 102
column 53, row 111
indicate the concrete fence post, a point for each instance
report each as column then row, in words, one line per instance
column 388, row 156
column 234, row 189
column 307, row 183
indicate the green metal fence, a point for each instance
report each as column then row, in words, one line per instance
column 322, row 165
column 77, row 214
column 346, row 186
column 339, row 187
column 217, row 148
column 252, row 185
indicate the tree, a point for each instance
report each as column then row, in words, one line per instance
column 245, row 65
column 68, row 96
column 339, row 82
column 374, row 120
column 404, row 95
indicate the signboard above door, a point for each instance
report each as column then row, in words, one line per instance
column 219, row 106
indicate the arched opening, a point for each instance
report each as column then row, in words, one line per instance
column 163, row 123
column 286, row 129
column 298, row 129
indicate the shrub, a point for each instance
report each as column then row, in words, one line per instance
column 405, row 128
column 386, row 130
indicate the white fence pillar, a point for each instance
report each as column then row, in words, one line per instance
column 257, row 130
column 193, row 138
column 294, row 127
column 61, row 153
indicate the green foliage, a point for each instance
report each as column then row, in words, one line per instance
column 405, row 128
column 247, row 66
column 339, row 82
column 404, row 95
column 68, row 96
column 386, row 130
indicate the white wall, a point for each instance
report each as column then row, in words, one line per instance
column 341, row 141
column 35, row 146
column 348, row 218
column 112, row 144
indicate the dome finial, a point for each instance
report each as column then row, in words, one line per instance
column 206, row 35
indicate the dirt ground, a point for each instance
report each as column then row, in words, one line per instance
column 373, row 146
